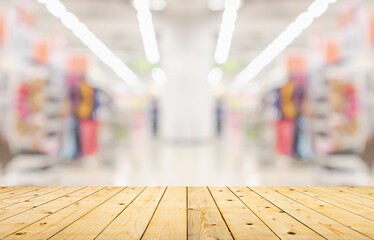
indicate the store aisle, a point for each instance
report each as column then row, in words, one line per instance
column 214, row 164
column 209, row 93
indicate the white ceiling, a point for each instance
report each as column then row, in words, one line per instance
column 115, row 23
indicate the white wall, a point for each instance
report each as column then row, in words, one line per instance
column 186, row 106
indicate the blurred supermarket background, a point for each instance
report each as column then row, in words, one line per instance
column 198, row 92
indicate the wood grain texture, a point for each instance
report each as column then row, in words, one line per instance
column 242, row 222
column 348, row 205
column 17, row 191
column 8, row 189
column 26, row 197
column 159, row 213
column 322, row 224
column 170, row 218
column 204, row 219
column 366, row 189
column 281, row 223
column 356, row 191
column 91, row 224
column 57, row 221
column 132, row 222
column 348, row 196
column 346, row 218
column 15, row 209
column 20, row 221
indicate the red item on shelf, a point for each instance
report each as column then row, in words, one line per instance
column 2, row 30
column 351, row 96
column 41, row 51
column 333, row 51
column 22, row 107
column 88, row 136
column 296, row 63
column 285, row 136
column 78, row 64
column 371, row 30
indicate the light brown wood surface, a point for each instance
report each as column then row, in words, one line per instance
column 347, row 218
column 132, row 222
column 244, row 224
column 204, row 218
column 358, row 192
column 170, row 218
column 91, row 224
column 281, row 223
column 186, row 213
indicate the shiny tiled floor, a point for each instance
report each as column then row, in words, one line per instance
column 157, row 163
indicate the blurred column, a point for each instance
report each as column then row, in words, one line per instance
column 186, row 106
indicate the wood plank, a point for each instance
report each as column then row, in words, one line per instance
column 54, row 223
column 170, row 218
column 204, row 219
column 281, row 223
column 356, row 191
column 132, row 222
column 339, row 202
column 366, row 189
column 348, row 196
column 321, row 224
column 21, row 221
column 27, row 196
column 349, row 219
column 242, row 222
column 186, row 213
column 15, row 209
column 8, row 189
column 17, row 191
column 91, row 224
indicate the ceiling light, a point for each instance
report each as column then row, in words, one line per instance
column 226, row 30
column 56, row 8
column 159, row 76
column 318, row 7
column 70, row 21
column 157, row 5
column 147, row 31
column 215, row 75
column 304, row 20
column 216, row 5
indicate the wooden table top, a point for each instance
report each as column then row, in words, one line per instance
column 186, row 212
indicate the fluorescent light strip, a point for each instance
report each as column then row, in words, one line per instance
column 147, row 30
column 69, row 20
column 159, row 76
column 226, row 30
column 215, row 75
column 303, row 21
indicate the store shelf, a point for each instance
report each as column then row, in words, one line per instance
column 181, row 213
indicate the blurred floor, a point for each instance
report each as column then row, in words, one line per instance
column 158, row 163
